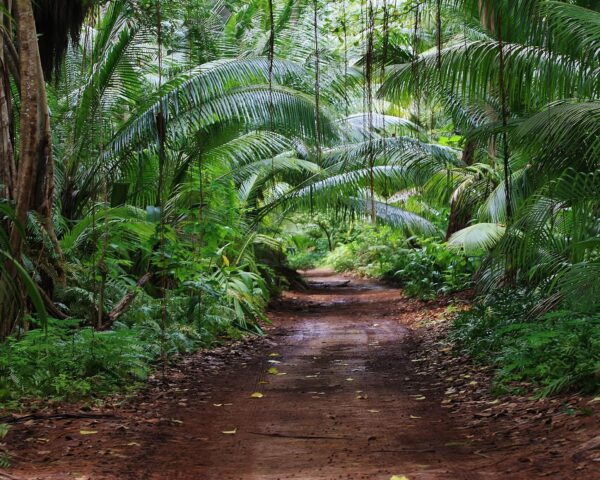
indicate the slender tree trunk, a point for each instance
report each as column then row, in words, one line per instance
column 7, row 159
column 504, row 103
column 459, row 218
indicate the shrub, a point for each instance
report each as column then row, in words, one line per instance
column 559, row 351
column 307, row 259
column 430, row 268
column 68, row 363
column 424, row 267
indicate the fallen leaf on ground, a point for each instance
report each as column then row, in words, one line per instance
column 362, row 396
column 399, row 477
column 373, row 411
column 414, row 417
column 257, row 395
column 88, row 432
column 273, row 371
column 349, row 379
column 229, row 432
column 274, row 355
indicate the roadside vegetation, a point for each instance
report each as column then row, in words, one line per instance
column 167, row 165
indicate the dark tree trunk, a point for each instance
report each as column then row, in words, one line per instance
column 460, row 216
column 29, row 182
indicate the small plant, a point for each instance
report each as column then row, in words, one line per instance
column 4, row 455
column 557, row 352
column 424, row 267
column 68, row 363
column 430, row 268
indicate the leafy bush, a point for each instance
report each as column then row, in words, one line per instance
column 69, row 361
column 368, row 251
column 4, row 457
column 431, row 268
column 66, row 362
column 424, row 267
column 307, row 259
column 557, row 352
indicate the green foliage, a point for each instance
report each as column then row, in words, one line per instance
column 306, row 259
column 431, row 268
column 554, row 353
column 310, row 238
column 72, row 362
column 4, row 457
column 68, row 363
column 424, row 267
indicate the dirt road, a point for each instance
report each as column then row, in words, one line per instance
column 333, row 394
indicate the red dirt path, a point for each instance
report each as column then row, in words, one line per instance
column 349, row 402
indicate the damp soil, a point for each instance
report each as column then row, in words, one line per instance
column 347, row 389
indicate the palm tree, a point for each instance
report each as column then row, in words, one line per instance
column 526, row 98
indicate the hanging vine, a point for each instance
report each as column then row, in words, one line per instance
column 318, row 138
column 346, row 65
column 384, row 60
column 101, row 264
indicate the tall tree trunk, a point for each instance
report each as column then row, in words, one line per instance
column 7, row 158
column 30, row 180
column 35, row 175
column 8, row 307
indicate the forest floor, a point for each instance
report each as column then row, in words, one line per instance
column 361, row 386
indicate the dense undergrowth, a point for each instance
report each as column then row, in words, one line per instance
column 201, row 298
column 70, row 361
column 549, row 353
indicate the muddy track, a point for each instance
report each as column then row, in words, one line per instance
column 343, row 401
